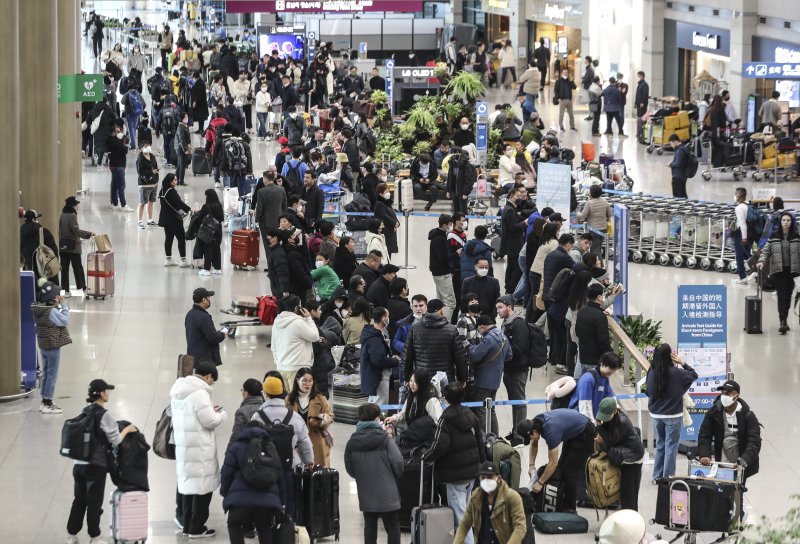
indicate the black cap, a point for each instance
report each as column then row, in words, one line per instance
column 508, row 300
column 98, row 386
column 524, row 430
column 434, row 305
column 488, row 469
column 730, row 385
column 200, row 293
column 71, row 201
column 484, row 320
column 555, row 217
column 389, row 269
column 30, row 215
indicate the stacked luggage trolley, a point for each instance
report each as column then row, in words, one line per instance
column 742, row 153
column 707, row 500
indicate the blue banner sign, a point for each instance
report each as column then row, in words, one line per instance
column 389, row 84
column 771, row 70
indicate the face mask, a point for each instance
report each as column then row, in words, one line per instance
column 482, row 272
column 563, row 77
column 727, row 401
column 119, row 135
column 263, row 89
column 464, row 126
column 490, row 486
column 474, row 308
column 339, row 304
column 294, row 116
column 272, row 69
column 387, row 196
column 386, row 322
column 320, row 264
column 147, row 149
column 510, row 152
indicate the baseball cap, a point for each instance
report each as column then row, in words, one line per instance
column 283, row 140
column 200, row 293
column 606, row 409
column 488, row 468
column 30, row 215
column 434, row 305
column 524, row 431
column 508, row 300
column 98, row 386
column 730, row 385
column 484, row 320
column 71, row 201
column 48, row 291
column 555, row 217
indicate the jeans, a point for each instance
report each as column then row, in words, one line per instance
column 168, row 151
column 598, row 243
column 458, row 495
column 90, row 484
column 445, row 293
column 565, row 104
column 241, row 518
column 180, row 168
column 51, row 359
column 118, row 186
column 574, row 453
column 391, row 523
column 784, row 285
column 169, row 236
column 742, row 253
column 631, row 479
column 668, row 435
column 216, row 174
column 195, row 513
column 523, row 285
column 504, row 71
column 133, row 126
column 97, row 46
column 262, row 124
column 73, row 259
column 515, row 389
column 513, row 273
column 478, row 394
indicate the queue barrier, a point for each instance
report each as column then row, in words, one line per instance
column 522, row 402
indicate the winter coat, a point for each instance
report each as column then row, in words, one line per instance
column 202, row 338
column 508, row 58
column 438, row 253
column 488, row 358
column 29, row 241
column 772, row 254
column 117, row 153
column 263, row 102
column 531, row 79
column 434, row 345
column 243, row 415
column 383, row 210
column 509, row 124
column 229, row 65
column 299, row 272
column 276, row 410
column 194, row 423
column 541, row 254
column 293, row 130
column 270, row 204
column 344, row 263
column 642, row 98
column 507, row 518
column 236, row 491
column 378, row 293
column 377, row 242
column 488, row 290
column 596, row 213
column 199, row 100
column 591, row 328
column 679, row 163
column 516, row 330
column 433, row 172
column 278, row 274
column 292, row 338
column 49, row 333
column 474, row 250
column 369, row 275
column 315, row 205
column 555, row 262
column 669, row 402
column 68, row 230
column 331, row 332
column 398, row 308
column 130, row 471
column 318, row 407
column 165, row 40
column 564, row 88
column 458, row 448
column 373, row 460
column 375, row 357
column 612, row 99
column 352, row 328
column 715, row 426
column 461, row 178
column 621, row 441
column 513, row 231
column 171, row 203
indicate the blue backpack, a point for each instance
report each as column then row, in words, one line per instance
column 135, row 102
column 756, row 222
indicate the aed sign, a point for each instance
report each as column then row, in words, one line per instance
column 80, row 88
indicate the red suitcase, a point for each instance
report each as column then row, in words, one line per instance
column 245, row 248
column 100, row 274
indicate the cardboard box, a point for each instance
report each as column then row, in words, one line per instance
column 671, row 123
column 683, row 119
column 768, row 164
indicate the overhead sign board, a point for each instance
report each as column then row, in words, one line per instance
column 703, row 38
column 80, row 88
column 321, row 6
column 771, row 70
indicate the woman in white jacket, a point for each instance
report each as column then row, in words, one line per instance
column 293, row 335
column 506, row 164
column 263, row 107
column 194, row 422
column 508, row 63
column 375, row 238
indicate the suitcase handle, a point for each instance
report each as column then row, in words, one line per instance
column 422, row 480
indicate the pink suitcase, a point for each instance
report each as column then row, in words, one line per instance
column 129, row 516
column 100, row 274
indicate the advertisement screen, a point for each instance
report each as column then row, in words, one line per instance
column 287, row 45
column 790, row 91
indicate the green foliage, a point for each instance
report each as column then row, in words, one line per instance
column 493, row 147
column 643, row 333
column 378, row 98
column 452, row 110
column 465, row 86
column 423, row 146
column 389, row 146
column 781, row 531
column 421, row 119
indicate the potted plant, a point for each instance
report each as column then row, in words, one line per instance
column 645, row 335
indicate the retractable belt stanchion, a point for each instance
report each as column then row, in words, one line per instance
column 407, row 266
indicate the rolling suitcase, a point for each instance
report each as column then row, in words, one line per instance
column 200, row 162
column 243, row 305
column 560, row 523
column 129, row 517
column 753, row 307
column 100, row 274
column 697, row 504
column 245, row 248
column 408, row 486
column 432, row 523
column 317, row 501
column 185, row 365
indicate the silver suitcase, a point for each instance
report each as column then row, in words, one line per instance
column 432, row 523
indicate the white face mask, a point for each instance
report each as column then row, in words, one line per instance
column 120, row 136
column 510, row 152
column 387, row 195
column 490, row 486
column 339, row 303
column 263, row 89
column 464, row 126
column 320, row 264
column 294, row 116
column 147, row 149
column 482, row 272
column 345, row 314
column 727, row 401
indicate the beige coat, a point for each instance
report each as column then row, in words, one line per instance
column 318, row 407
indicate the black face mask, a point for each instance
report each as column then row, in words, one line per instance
column 474, row 308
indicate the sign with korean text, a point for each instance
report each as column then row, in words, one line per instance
column 321, row 6
column 80, row 88
column 771, row 70
column 389, row 83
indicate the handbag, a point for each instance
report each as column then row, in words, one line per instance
column 540, row 296
column 180, row 213
column 207, row 233
column 555, row 100
column 66, row 244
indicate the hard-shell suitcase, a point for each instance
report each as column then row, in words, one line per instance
column 753, row 307
column 432, row 523
column 245, row 248
column 100, row 274
column 408, row 486
column 129, row 516
column 560, row 523
column 200, row 162
column 317, row 501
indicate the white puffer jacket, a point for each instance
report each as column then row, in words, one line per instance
column 292, row 339
column 263, row 102
column 194, row 422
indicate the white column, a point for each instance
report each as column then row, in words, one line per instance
column 652, row 45
column 744, row 24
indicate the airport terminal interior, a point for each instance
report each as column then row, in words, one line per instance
column 133, row 338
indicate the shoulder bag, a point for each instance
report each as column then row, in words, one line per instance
column 179, row 213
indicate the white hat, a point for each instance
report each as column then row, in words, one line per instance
column 622, row 527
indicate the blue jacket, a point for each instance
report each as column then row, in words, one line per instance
column 375, row 356
column 612, row 99
column 670, row 401
column 487, row 363
column 591, row 390
column 679, row 163
column 475, row 248
column 237, row 492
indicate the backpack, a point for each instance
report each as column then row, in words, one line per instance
column 169, row 120
column 282, row 435
column 559, row 289
column 293, row 173
column 163, row 443
column 756, row 222
column 165, row 86
column 45, row 259
column 529, row 506
column 603, row 480
column 262, row 466
column 135, row 102
column 692, row 164
column 208, row 230
column 235, row 155
column 537, row 345
column 78, row 435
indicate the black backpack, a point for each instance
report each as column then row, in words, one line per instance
column 262, row 466
column 537, row 346
column 235, row 155
column 282, row 435
column 169, row 120
column 690, row 170
column 293, row 173
column 79, row 435
column 561, row 284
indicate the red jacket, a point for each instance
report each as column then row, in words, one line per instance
column 211, row 133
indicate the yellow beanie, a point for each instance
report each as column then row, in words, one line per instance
column 273, row 386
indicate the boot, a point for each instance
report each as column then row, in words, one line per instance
column 784, row 327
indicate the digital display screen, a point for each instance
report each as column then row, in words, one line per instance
column 288, row 46
column 790, row 91
column 562, row 44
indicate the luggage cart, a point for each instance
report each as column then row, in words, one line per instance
column 735, row 163
column 658, row 241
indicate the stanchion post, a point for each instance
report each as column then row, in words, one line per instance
column 407, row 266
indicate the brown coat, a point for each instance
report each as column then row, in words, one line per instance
column 318, row 407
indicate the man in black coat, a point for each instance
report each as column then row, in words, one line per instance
column 678, row 166
column 555, row 262
column 424, row 175
column 439, row 263
column 642, row 95
column 734, row 430
column 277, row 264
column 541, row 57
column 350, row 148
column 434, row 345
column 591, row 328
column 228, row 63
column 315, row 200
column 512, row 237
column 202, row 338
column 515, row 371
column 461, row 178
column 378, row 293
column 369, row 270
column 482, row 284
column 399, row 306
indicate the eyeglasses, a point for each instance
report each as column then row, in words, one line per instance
column 306, row 380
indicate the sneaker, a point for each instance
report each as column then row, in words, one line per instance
column 217, row 185
column 72, row 539
column 208, row 533
column 98, row 540
column 170, row 262
column 740, row 281
column 112, row 207
column 216, row 272
column 178, row 524
column 50, row 409
column 126, row 209
column 573, row 129
column 67, row 294
column 184, row 263
column 141, row 225
column 562, row 369
column 204, row 272
column 151, row 222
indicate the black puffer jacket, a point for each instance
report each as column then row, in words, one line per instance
column 458, row 447
column 130, row 472
column 433, row 345
column 29, row 241
column 712, row 433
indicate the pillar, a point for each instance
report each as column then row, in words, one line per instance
column 652, row 47
column 38, row 135
column 744, row 24
column 9, row 224
column 69, row 114
column 518, row 32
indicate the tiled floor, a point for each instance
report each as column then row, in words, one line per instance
column 132, row 340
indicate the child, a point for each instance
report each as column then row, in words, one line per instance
column 51, row 314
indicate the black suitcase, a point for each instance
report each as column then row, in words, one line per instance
column 317, row 501
column 200, row 162
column 713, row 505
column 408, row 485
column 753, row 307
column 560, row 523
